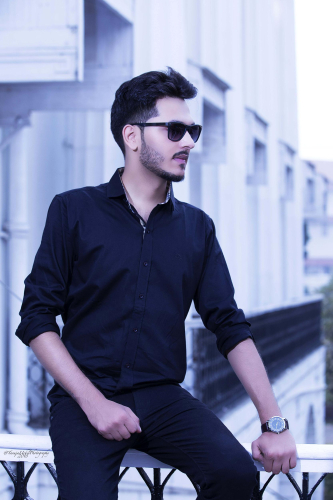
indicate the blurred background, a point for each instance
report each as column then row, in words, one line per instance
column 262, row 169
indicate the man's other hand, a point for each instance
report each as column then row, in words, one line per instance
column 277, row 452
column 112, row 420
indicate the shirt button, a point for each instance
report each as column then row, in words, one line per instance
column 141, row 296
column 145, row 263
column 127, row 365
column 148, row 231
column 135, row 330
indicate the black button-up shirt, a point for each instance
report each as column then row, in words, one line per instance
column 124, row 288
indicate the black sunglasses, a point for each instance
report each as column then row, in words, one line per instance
column 176, row 130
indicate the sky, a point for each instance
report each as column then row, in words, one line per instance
column 314, row 60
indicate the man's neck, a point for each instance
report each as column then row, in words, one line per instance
column 143, row 188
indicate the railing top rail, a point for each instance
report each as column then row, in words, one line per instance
column 25, row 442
column 306, row 299
column 32, row 448
column 196, row 322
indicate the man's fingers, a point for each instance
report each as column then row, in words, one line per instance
column 285, row 466
column 277, row 467
column 106, row 435
column 120, row 434
column 134, row 418
column 293, row 461
column 256, row 452
column 132, row 425
column 268, row 464
column 124, row 432
column 117, row 435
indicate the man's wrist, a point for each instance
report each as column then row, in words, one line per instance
column 90, row 397
column 275, row 424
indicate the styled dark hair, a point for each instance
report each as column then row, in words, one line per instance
column 135, row 100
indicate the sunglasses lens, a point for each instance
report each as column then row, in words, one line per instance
column 194, row 132
column 176, row 131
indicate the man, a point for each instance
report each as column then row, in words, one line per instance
column 122, row 262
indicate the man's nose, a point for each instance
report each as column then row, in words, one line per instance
column 187, row 141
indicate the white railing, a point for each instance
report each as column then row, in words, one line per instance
column 37, row 449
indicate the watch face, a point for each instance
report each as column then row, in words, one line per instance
column 276, row 424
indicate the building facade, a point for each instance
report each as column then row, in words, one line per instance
column 61, row 63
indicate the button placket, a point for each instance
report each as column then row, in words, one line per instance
column 126, row 378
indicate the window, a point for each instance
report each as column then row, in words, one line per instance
column 32, row 52
column 289, row 183
column 310, row 194
column 259, row 163
column 256, row 149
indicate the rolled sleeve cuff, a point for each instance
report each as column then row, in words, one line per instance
column 37, row 326
column 227, row 341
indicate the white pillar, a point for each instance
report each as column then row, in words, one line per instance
column 17, row 227
column 161, row 43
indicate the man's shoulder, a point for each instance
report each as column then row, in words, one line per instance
column 192, row 211
column 83, row 194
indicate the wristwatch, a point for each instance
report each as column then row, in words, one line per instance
column 276, row 425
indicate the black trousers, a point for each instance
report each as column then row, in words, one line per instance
column 177, row 429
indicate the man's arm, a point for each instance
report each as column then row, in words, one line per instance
column 111, row 420
column 45, row 294
column 277, row 452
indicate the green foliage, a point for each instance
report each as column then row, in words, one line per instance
column 327, row 311
column 327, row 327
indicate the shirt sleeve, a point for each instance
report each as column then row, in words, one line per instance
column 214, row 298
column 46, row 286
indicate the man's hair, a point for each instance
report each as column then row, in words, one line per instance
column 135, row 100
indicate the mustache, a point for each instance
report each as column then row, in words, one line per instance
column 182, row 154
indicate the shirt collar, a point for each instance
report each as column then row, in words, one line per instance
column 115, row 188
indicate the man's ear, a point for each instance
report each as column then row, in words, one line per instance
column 131, row 137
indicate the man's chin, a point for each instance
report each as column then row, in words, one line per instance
column 171, row 176
column 179, row 178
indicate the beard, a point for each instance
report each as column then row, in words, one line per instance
column 152, row 161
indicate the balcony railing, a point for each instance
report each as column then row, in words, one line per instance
column 18, row 449
column 283, row 335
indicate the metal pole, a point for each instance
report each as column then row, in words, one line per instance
column 305, row 486
column 158, row 490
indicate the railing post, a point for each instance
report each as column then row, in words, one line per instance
column 157, row 493
column 20, row 484
column 305, row 486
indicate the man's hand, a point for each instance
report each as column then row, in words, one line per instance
column 277, row 452
column 113, row 420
